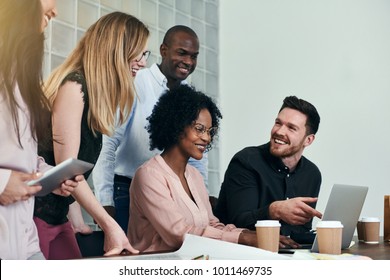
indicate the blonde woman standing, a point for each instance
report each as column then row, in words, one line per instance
column 90, row 92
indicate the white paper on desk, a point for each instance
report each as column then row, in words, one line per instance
column 194, row 246
column 160, row 256
column 221, row 250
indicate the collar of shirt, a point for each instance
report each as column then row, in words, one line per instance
column 276, row 163
column 160, row 77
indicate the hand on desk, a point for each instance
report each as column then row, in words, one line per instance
column 115, row 241
column 249, row 237
column 286, row 241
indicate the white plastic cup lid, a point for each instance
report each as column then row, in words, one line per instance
column 370, row 219
column 329, row 224
column 268, row 223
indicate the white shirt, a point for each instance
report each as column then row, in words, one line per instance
column 20, row 240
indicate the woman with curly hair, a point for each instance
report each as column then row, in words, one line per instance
column 167, row 196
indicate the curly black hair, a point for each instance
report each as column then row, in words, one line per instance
column 175, row 110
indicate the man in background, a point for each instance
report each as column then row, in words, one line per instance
column 128, row 148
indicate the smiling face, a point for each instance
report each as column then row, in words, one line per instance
column 193, row 143
column 138, row 63
column 49, row 11
column 179, row 57
column 289, row 135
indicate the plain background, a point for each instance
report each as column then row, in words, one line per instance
column 334, row 54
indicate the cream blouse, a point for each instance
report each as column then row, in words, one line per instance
column 161, row 212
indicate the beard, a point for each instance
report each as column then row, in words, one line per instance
column 287, row 150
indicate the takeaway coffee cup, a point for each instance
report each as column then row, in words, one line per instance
column 329, row 235
column 371, row 229
column 268, row 232
column 360, row 231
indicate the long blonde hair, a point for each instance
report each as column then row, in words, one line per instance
column 103, row 56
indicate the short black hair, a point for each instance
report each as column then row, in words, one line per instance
column 306, row 108
column 176, row 29
column 175, row 110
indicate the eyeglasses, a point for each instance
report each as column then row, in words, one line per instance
column 200, row 129
column 145, row 55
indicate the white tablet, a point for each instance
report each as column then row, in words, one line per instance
column 53, row 178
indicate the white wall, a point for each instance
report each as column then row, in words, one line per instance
column 336, row 55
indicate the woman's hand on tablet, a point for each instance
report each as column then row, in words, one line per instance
column 17, row 188
column 68, row 186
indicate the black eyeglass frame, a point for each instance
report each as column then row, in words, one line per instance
column 145, row 54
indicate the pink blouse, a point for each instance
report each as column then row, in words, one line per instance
column 161, row 212
column 19, row 235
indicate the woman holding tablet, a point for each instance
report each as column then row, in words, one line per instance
column 24, row 117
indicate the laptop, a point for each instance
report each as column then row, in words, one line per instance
column 345, row 204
